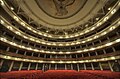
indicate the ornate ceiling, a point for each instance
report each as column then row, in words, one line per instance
column 61, row 14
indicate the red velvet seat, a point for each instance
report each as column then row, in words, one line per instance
column 60, row 74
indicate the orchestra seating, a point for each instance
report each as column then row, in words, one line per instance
column 60, row 74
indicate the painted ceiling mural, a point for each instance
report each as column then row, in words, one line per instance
column 61, row 9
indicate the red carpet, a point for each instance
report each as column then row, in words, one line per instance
column 60, row 74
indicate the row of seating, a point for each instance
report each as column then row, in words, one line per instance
column 60, row 74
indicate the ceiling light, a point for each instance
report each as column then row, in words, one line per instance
column 106, row 18
column 104, row 33
column 66, row 36
column 79, row 51
column 18, row 33
column 60, row 44
column 48, row 43
column 36, row 50
column 118, row 40
column 60, row 52
column 67, row 52
column 61, row 62
column 86, row 25
column 3, row 39
column 34, row 31
column 97, row 19
column 2, row 3
column 40, row 33
column 119, row 22
column 47, row 31
column 95, row 37
column 1, row 21
column 9, row 27
column 86, row 31
column 60, row 37
column 112, row 57
column 74, row 62
column 16, row 18
column 53, row 43
column 76, row 35
column 67, row 44
column 29, row 28
column 92, row 48
column 109, row 8
column 25, row 37
column 49, row 36
column 85, row 50
column 108, row 44
column 99, row 24
column 45, row 34
column 83, row 41
column 113, row 27
column 71, row 36
column 113, row 11
column 92, row 28
column 22, row 23
column 52, row 61
column 11, row 8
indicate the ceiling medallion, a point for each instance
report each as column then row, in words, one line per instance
column 61, row 6
column 61, row 9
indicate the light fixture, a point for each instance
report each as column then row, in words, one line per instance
column 47, row 31
column 112, row 57
column 9, row 27
column 113, row 27
column 113, row 11
column 1, row 21
column 106, row 18
column 86, row 25
column 16, row 18
column 109, row 8
column 18, row 33
column 108, row 44
column 2, row 3
column 97, row 19
column 99, row 24
column 29, row 28
column 11, row 8
column 22, row 23
column 92, row 49
column 118, row 40
column 60, row 37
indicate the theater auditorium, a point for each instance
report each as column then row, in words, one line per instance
column 59, row 39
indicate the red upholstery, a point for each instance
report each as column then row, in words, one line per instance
column 21, row 74
column 60, row 74
column 103, row 74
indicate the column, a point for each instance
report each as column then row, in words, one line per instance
column 36, row 66
column 10, row 68
column 21, row 66
column 49, row 66
column 110, row 66
column 43, row 67
column 55, row 66
column 84, row 66
column 1, row 63
column 29, row 66
column 78, row 67
column 92, row 66
column 65, row 67
column 100, row 66
column 71, row 67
